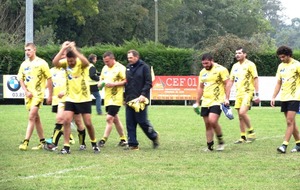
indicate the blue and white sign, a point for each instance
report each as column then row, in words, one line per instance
column 12, row 87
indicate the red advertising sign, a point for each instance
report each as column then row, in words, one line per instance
column 174, row 88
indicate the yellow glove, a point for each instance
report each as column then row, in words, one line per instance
column 134, row 104
column 137, row 105
column 143, row 104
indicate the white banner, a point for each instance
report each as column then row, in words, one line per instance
column 266, row 88
column 12, row 88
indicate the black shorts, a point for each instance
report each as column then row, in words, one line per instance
column 82, row 107
column 290, row 106
column 112, row 110
column 213, row 109
column 54, row 109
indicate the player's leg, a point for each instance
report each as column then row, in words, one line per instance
column 297, row 139
column 30, row 125
column 242, row 106
column 54, row 110
column 250, row 130
column 58, row 131
column 237, row 106
column 209, row 131
column 40, row 133
column 108, row 127
column 86, row 109
column 31, row 121
column 289, row 108
column 213, row 117
column 80, row 130
column 69, row 111
column 290, row 121
column 91, row 131
column 243, row 117
column 120, row 129
column 296, row 133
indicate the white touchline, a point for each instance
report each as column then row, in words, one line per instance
column 46, row 174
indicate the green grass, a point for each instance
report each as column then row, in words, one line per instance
column 179, row 163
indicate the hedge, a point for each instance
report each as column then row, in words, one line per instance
column 165, row 60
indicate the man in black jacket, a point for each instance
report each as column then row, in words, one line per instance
column 137, row 88
column 94, row 78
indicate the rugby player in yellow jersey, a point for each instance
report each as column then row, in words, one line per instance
column 212, row 90
column 34, row 75
column 78, row 97
column 288, row 83
column 113, row 75
column 58, row 106
column 245, row 77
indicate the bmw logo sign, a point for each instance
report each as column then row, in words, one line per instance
column 13, row 84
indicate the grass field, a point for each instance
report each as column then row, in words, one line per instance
column 179, row 163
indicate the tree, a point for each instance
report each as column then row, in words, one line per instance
column 12, row 22
column 195, row 21
column 182, row 23
column 67, row 18
column 289, row 34
column 117, row 21
column 44, row 36
column 271, row 10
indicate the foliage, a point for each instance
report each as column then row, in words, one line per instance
column 179, row 163
column 263, row 42
column 196, row 21
column 10, row 60
column 289, row 34
column 12, row 22
column 272, row 10
column 223, row 49
column 67, row 18
column 44, row 36
column 266, row 63
column 181, row 23
column 165, row 60
column 117, row 21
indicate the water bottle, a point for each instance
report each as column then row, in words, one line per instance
column 196, row 109
column 102, row 85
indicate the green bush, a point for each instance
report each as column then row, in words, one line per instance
column 165, row 60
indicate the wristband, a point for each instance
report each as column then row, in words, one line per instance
column 256, row 94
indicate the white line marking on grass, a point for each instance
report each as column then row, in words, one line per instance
column 47, row 174
column 54, row 173
column 264, row 138
column 258, row 139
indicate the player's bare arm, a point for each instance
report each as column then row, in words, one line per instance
column 276, row 91
column 27, row 93
column 84, row 60
column 50, row 90
column 60, row 54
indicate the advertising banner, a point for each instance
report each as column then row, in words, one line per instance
column 13, row 90
column 174, row 88
column 12, row 87
column 185, row 88
column 164, row 88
